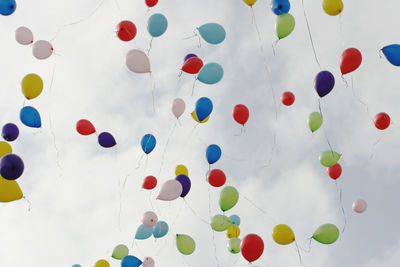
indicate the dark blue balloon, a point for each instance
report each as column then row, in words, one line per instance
column 324, row 83
column 392, row 54
column 213, row 153
column 30, row 117
column 130, row 261
column 280, row 7
column 185, row 182
column 7, row 7
column 11, row 167
column 148, row 143
column 10, row 132
column 106, row 140
column 203, row 108
column 189, row 56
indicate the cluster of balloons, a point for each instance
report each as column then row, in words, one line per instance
column 151, row 226
column 41, row 49
column 32, row 86
column 121, row 252
column 105, row 139
column 285, row 22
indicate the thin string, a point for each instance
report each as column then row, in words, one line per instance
column 298, row 252
column 339, row 190
column 374, row 147
column 118, row 7
column 308, row 250
column 194, row 83
column 323, row 125
column 359, row 100
column 195, row 213
column 55, row 148
column 310, row 35
column 137, row 167
column 52, row 75
column 165, row 148
column 29, row 203
column 348, row 222
column 150, row 46
column 153, row 91
column 212, row 231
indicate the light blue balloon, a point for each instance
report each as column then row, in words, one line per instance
column 235, row 219
column 76, row 265
column 7, row 7
column 143, row 232
column 203, row 108
column 213, row 153
column 130, row 261
column 212, row 33
column 161, row 229
column 211, row 73
column 157, row 25
column 148, row 143
column 392, row 53
column 30, row 117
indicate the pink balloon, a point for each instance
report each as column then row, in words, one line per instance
column 359, row 206
column 149, row 219
column 137, row 61
column 170, row 190
column 148, row 262
column 24, row 36
column 178, row 107
column 42, row 49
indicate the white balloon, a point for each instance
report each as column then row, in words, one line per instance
column 149, row 219
column 178, row 107
column 148, row 262
column 170, row 190
column 137, row 61
column 359, row 206
column 42, row 49
column 24, row 36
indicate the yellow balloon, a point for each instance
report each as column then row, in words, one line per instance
column 332, row 7
column 250, row 2
column 282, row 234
column 194, row 116
column 5, row 148
column 32, row 86
column 181, row 169
column 233, row 231
column 9, row 190
column 102, row 263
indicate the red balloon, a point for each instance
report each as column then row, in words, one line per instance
column 151, row 3
column 192, row 65
column 350, row 60
column 287, row 98
column 252, row 247
column 240, row 114
column 85, row 127
column 126, row 30
column 149, row 182
column 334, row 171
column 382, row 121
column 216, row 178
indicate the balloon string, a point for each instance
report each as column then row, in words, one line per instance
column 212, row 231
column 374, row 146
column 194, row 83
column 195, row 214
column 150, row 46
column 55, row 148
column 345, row 82
column 180, row 73
column 298, row 253
column 348, row 222
column 339, row 190
column 380, row 52
column 52, row 76
column 29, row 203
column 137, row 167
column 184, row 259
column 274, row 44
column 272, row 151
column 165, row 149
column 118, row 8
column 359, row 100
column 153, row 91
column 308, row 250
column 323, row 125
column 310, row 35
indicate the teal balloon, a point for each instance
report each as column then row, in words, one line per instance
column 212, row 33
column 235, row 219
column 157, row 25
column 160, row 229
column 143, row 232
column 211, row 73
column 76, row 265
column 30, row 117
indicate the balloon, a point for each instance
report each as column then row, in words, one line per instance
column 102, row 263
column 120, row 251
column 250, row 2
column 106, row 140
column 334, row 171
column 359, row 205
column 157, row 25
column 332, row 7
column 284, row 25
column 329, row 158
column 42, row 49
column 151, row 3
column 32, row 86
column 11, row 167
column 324, row 83
column 213, row 153
column 233, row 231
column 5, row 148
column 126, row 30
column 189, row 56
column 178, row 107
column 326, row 234
column 85, row 127
column 235, row 219
column 282, row 234
column 185, row 244
column 194, row 116
column 216, row 178
column 24, row 36
column 30, row 117
column 76, row 265
column 7, row 7
column 203, row 108
column 382, row 121
column 161, row 229
column 228, row 198
column 234, row 245
column 185, row 182
column 181, row 169
column 210, row 73
column 220, row 223
column 130, row 261
column 148, row 143
column 280, row 7
column 240, row 114
column 143, row 232
column 10, row 132
column 148, row 262
column 314, row 121
column 137, row 61
column 9, row 190
column 149, row 219
column 350, row 60
column 287, row 98
column 193, row 65
column 392, row 54
column 170, row 190
column 149, row 182
column 212, row 33
column 252, row 247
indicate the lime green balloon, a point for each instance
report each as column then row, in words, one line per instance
column 228, row 198
column 314, row 121
column 120, row 252
column 220, row 223
column 284, row 25
column 234, row 245
column 326, row 234
column 329, row 158
column 185, row 244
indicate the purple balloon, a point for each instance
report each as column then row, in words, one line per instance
column 106, row 140
column 324, row 83
column 185, row 182
column 10, row 132
column 189, row 56
column 11, row 167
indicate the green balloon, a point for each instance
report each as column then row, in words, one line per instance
column 120, row 252
column 284, row 25
column 329, row 158
column 326, row 234
column 185, row 244
column 234, row 245
column 314, row 121
column 220, row 223
column 228, row 198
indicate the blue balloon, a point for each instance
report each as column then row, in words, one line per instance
column 392, row 53
column 213, row 153
column 30, row 117
column 143, row 232
column 235, row 219
column 7, row 7
column 130, row 261
column 203, row 108
column 106, row 140
column 76, row 265
column 161, row 229
column 211, row 73
column 157, row 25
column 212, row 33
column 148, row 143
column 280, row 7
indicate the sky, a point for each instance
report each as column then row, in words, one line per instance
column 79, row 208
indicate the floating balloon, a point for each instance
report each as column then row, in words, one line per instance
column 193, row 65
column 143, row 232
column 30, row 117
column 151, row 3
column 85, row 127
column 185, row 182
column 350, row 60
column 382, row 121
column 42, row 49
column 250, row 2
column 359, row 205
column 284, row 25
column 10, row 132
column 212, row 33
column 332, row 7
column 324, row 83
column 76, row 265
column 228, row 198
column 211, row 73
column 213, row 153
column 220, row 223
column 24, row 36
column 334, row 171
column 280, row 7
column 189, row 56
column 233, row 231
column 126, row 30
column 326, row 234
column 185, row 244
column 11, row 167
column 203, row 108
column 120, row 252
column 149, row 219
column 287, row 98
column 148, row 262
column 194, row 116
column 137, row 61
column 392, row 54
column 170, row 190
column 5, row 148
column 329, row 158
column 149, row 182
column 235, row 219
column 157, row 25
column 252, row 247
column 7, row 7
column 314, row 121
column 181, row 169
column 282, row 234
column 161, row 229
column 102, row 263
column 32, row 86
column 178, row 107
column 106, row 140
column 9, row 190
column 216, row 178
column 234, row 245
column 240, row 114
column 130, row 261
column 148, row 143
